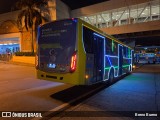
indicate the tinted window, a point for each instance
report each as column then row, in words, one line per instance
column 111, row 47
column 57, row 42
column 88, row 39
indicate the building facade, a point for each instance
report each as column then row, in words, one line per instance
column 113, row 17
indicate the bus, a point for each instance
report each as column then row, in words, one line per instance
column 75, row 52
column 145, row 58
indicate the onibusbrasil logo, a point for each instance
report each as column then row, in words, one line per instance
column 21, row 114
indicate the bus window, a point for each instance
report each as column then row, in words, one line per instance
column 125, row 51
column 111, row 47
column 108, row 46
column 115, row 48
column 57, row 45
column 88, row 39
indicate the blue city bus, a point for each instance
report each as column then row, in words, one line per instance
column 75, row 52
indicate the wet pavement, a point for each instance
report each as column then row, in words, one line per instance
column 136, row 93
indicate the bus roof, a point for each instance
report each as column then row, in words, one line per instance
column 93, row 28
column 102, row 33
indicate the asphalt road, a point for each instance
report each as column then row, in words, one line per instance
column 21, row 91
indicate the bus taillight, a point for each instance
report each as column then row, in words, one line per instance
column 73, row 62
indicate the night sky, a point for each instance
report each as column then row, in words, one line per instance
column 5, row 5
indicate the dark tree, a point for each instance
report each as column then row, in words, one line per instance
column 30, row 15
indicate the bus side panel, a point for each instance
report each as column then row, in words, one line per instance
column 94, row 59
column 81, row 55
column 89, row 69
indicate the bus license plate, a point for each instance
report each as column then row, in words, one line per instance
column 52, row 65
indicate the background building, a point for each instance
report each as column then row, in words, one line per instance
column 128, row 20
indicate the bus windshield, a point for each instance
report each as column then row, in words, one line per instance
column 56, row 45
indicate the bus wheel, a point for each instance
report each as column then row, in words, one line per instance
column 111, row 76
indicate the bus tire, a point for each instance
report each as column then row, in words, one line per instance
column 111, row 76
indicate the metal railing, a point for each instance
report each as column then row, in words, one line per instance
column 139, row 13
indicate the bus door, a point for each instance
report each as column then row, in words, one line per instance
column 98, row 46
column 120, row 62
